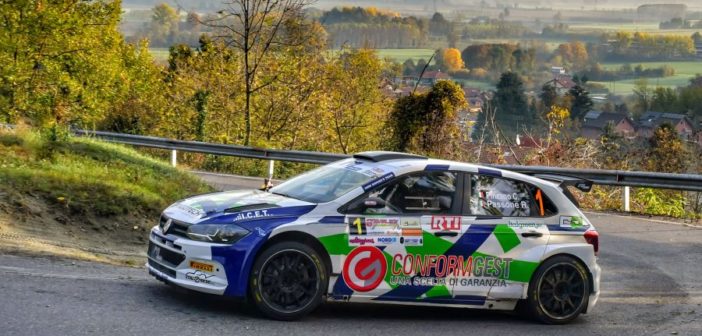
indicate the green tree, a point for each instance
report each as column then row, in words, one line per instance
column 512, row 114
column 65, row 62
column 667, row 152
column 580, row 102
column 548, row 95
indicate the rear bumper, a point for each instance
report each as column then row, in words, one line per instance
column 185, row 263
column 595, row 295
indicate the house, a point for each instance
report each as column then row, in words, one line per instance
column 562, row 83
column 595, row 122
column 649, row 121
column 430, row 78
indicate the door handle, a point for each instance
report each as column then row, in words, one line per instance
column 532, row 234
column 445, row 234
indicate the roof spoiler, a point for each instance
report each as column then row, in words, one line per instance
column 577, row 182
column 565, row 181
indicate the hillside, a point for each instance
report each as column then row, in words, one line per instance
column 83, row 198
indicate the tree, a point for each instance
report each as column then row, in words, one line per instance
column 65, row 62
column 548, row 95
column 256, row 28
column 667, row 152
column 428, row 123
column 512, row 113
column 452, row 59
column 356, row 106
column 580, row 102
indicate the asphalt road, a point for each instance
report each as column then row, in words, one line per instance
column 650, row 286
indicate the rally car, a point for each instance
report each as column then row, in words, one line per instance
column 387, row 227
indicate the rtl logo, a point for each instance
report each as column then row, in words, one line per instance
column 446, row 223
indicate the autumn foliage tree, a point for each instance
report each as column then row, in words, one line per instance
column 428, row 123
column 452, row 59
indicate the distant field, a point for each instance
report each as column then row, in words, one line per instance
column 644, row 27
column 683, row 72
column 401, row 55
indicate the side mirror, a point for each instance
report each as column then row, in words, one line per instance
column 373, row 203
column 444, row 202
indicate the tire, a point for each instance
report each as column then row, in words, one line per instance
column 558, row 291
column 288, row 281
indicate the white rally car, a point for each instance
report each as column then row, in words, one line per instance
column 386, row 227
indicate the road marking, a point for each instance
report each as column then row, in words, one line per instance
column 35, row 273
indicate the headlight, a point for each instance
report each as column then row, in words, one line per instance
column 217, row 233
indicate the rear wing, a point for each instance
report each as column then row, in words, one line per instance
column 565, row 181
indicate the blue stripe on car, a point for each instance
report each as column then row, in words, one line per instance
column 489, row 172
column 435, row 167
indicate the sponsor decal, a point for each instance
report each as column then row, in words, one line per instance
column 572, row 222
column 387, row 223
column 199, row 277
column 446, row 223
column 190, row 210
column 386, row 240
column 374, row 226
column 435, row 281
column 261, row 232
column 364, row 268
column 450, row 265
column 524, row 224
column 372, row 184
column 412, row 232
column 252, row 215
column 410, row 223
column 360, row 241
column 202, row 266
column 412, row 241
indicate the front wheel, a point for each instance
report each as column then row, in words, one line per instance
column 287, row 281
column 559, row 290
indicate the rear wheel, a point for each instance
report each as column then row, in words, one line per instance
column 559, row 290
column 287, row 281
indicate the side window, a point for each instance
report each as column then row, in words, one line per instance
column 425, row 192
column 495, row 196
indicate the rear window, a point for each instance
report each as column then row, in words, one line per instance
column 495, row 196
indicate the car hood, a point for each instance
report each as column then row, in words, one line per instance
column 235, row 207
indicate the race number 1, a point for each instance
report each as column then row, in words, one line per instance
column 357, row 226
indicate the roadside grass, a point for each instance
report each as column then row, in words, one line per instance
column 89, row 177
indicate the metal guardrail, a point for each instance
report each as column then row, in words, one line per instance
column 217, row 149
column 691, row 182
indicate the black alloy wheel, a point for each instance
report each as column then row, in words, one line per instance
column 287, row 281
column 559, row 291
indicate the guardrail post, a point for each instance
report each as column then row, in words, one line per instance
column 626, row 199
column 271, row 166
column 174, row 157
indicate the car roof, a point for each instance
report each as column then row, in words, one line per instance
column 403, row 163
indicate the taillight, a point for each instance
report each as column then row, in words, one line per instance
column 593, row 238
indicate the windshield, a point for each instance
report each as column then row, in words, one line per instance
column 325, row 183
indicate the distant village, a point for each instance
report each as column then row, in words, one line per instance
column 592, row 126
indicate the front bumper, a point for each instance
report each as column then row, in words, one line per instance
column 185, row 263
